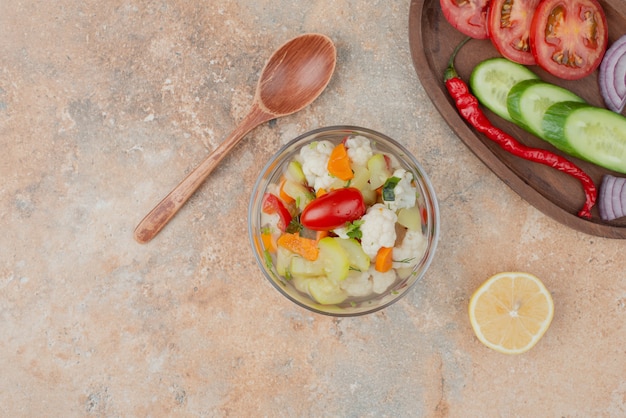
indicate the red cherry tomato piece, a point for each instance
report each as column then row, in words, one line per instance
column 508, row 24
column 271, row 205
column 333, row 209
column 467, row 16
column 568, row 38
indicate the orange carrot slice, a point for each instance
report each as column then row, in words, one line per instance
column 320, row 234
column 339, row 163
column 384, row 259
column 268, row 242
column 305, row 247
column 286, row 198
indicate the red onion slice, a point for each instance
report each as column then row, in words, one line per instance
column 612, row 197
column 620, row 76
column 604, row 207
column 612, row 75
column 620, row 80
column 620, row 204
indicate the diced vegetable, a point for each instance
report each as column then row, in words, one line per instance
column 321, row 289
column 320, row 234
column 271, row 205
column 294, row 172
column 268, row 241
column 384, row 260
column 283, row 195
column 361, row 178
column 298, row 192
column 308, row 268
column 410, row 218
column 304, row 247
column 361, row 181
column 388, row 191
column 283, row 261
column 357, row 258
column 492, row 79
column 335, row 259
column 379, row 170
column 339, row 163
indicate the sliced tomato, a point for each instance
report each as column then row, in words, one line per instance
column 508, row 25
column 272, row 204
column 568, row 38
column 467, row 16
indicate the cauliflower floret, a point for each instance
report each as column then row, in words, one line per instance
column 342, row 232
column 404, row 192
column 270, row 221
column 411, row 251
column 378, row 229
column 314, row 160
column 357, row 284
column 382, row 281
column 359, row 149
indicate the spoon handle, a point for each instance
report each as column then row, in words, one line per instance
column 158, row 217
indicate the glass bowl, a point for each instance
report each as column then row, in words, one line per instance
column 350, row 300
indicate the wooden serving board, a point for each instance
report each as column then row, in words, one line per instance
column 432, row 40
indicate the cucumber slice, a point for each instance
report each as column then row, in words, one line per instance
column 361, row 177
column 301, row 267
column 594, row 134
column 294, row 172
column 492, row 79
column 379, row 171
column 325, row 291
column 321, row 289
column 528, row 101
column 361, row 181
column 283, row 261
column 298, row 192
column 410, row 218
column 334, row 259
column 356, row 256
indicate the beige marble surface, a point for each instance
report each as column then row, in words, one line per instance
column 106, row 105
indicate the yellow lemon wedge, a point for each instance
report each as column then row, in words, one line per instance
column 511, row 311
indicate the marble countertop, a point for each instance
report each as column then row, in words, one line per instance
column 105, row 106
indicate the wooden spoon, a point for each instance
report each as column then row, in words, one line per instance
column 294, row 76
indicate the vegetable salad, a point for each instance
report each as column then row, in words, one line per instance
column 343, row 222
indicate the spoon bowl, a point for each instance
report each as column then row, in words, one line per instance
column 293, row 77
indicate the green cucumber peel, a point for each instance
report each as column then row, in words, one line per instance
column 590, row 133
column 492, row 79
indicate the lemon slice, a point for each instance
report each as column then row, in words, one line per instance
column 511, row 311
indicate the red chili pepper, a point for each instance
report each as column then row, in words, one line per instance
column 469, row 109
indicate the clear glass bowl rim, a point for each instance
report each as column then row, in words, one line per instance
column 425, row 184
